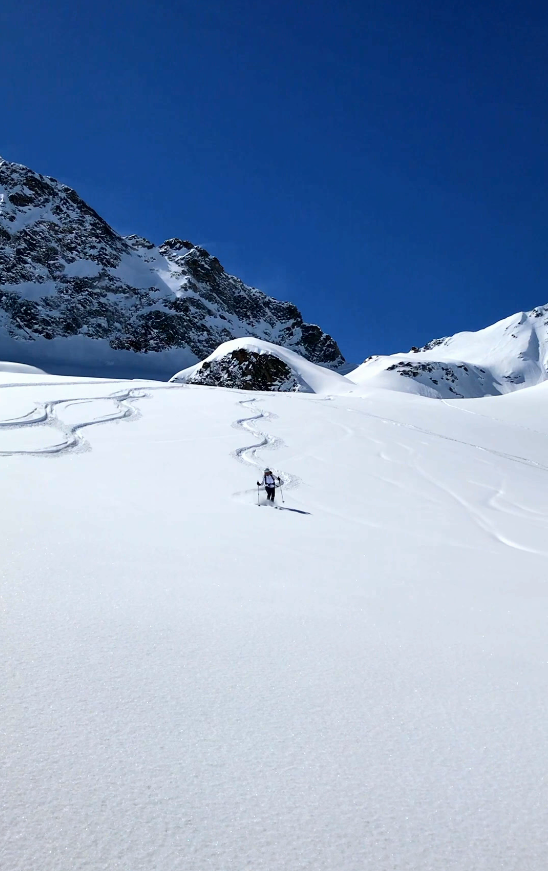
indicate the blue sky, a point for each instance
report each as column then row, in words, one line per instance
column 381, row 164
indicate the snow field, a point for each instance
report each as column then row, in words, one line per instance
column 195, row 683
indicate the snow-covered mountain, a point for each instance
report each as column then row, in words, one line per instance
column 76, row 296
column 504, row 357
column 251, row 364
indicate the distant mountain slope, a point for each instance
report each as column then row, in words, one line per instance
column 76, row 296
column 504, row 357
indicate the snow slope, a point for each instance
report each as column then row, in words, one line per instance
column 504, row 357
column 357, row 682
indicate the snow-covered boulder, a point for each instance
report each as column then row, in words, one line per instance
column 250, row 364
column 504, row 357
column 75, row 296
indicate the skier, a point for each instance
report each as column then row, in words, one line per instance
column 269, row 482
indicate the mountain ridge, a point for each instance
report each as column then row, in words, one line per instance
column 508, row 355
column 75, row 292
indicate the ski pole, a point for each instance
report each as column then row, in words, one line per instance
column 282, row 490
column 258, row 503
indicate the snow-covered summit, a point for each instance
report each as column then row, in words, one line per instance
column 74, row 294
column 504, row 357
column 252, row 364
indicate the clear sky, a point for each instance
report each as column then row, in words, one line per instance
column 381, row 164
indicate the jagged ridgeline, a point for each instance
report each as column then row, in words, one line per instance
column 76, row 296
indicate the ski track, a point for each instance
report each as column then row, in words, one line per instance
column 496, row 501
column 249, row 453
column 513, row 457
column 487, row 525
column 45, row 414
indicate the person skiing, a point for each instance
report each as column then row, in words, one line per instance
column 269, row 483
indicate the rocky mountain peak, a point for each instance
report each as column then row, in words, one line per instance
column 177, row 245
column 138, row 241
column 75, row 293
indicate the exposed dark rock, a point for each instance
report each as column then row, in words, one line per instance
column 247, row 370
column 429, row 345
column 426, row 370
column 178, row 245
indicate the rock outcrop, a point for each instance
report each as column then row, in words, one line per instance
column 247, row 370
column 253, row 364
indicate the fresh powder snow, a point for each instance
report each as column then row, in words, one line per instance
column 356, row 682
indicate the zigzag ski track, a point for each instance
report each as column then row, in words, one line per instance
column 249, row 454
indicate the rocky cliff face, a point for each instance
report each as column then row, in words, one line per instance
column 76, row 296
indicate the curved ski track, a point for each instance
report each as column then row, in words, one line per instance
column 45, row 414
column 249, row 453
column 513, row 457
column 495, row 501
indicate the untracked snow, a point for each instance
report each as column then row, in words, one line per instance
column 357, row 682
